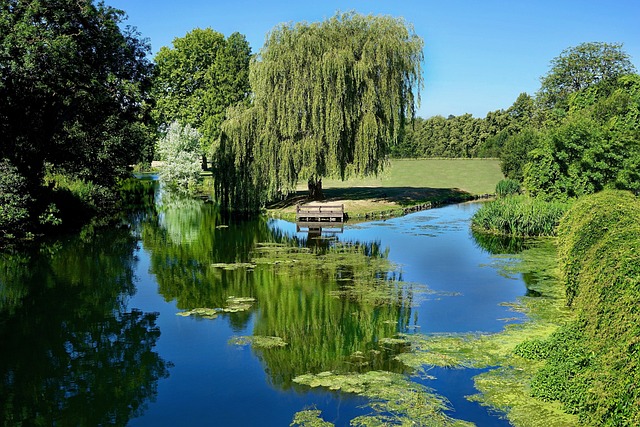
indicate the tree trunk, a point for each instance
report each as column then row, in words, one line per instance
column 315, row 189
column 204, row 162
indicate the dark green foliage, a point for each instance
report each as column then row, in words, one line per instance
column 533, row 349
column 72, row 89
column 519, row 216
column 514, row 154
column 14, row 200
column 567, row 358
column 507, row 187
column 594, row 363
column 73, row 100
column 591, row 137
column 465, row 136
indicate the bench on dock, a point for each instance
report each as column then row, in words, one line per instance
column 319, row 213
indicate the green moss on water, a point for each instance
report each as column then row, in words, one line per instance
column 506, row 387
column 258, row 341
column 394, row 398
column 234, row 305
column 309, row 418
column 233, row 266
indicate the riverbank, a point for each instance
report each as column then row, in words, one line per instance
column 407, row 185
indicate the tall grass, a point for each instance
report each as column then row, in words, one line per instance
column 519, row 216
column 507, row 187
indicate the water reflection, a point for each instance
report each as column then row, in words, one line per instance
column 308, row 291
column 496, row 244
column 72, row 353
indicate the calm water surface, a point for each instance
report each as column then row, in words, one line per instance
column 90, row 335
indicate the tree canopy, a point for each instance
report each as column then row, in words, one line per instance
column 579, row 67
column 330, row 99
column 198, row 78
column 73, row 89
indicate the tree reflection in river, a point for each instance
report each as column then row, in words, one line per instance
column 307, row 292
column 72, row 353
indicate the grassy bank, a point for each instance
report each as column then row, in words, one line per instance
column 403, row 186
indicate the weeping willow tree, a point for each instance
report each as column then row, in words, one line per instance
column 330, row 100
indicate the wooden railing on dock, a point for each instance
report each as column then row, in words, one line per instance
column 319, row 213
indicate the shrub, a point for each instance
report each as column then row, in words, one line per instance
column 519, row 216
column 594, row 363
column 14, row 200
column 180, row 150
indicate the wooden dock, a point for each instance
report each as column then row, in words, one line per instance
column 319, row 213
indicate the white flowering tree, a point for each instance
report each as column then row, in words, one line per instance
column 180, row 151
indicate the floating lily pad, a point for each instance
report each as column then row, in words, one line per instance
column 258, row 341
column 234, row 305
column 205, row 313
column 233, row 266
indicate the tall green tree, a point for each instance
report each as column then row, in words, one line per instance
column 198, row 78
column 73, row 89
column 330, row 99
column 579, row 67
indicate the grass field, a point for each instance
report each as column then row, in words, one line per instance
column 405, row 183
column 474, row 176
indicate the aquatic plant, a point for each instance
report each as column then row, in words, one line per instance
column 309, row 418
column 234, row 305
column 258, row 341
column 519, row 216
column 507, row 187
column 508, row 354
column 395, row 399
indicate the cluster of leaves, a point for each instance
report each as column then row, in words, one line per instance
column 14, row 199
column 595, row 146
column 179, row 148
column 593, row 363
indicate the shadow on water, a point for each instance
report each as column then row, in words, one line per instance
column 72, row 353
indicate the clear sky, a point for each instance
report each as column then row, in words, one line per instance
column 479, row 54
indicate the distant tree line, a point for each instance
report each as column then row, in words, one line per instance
column 579, row 134
column 465, row 136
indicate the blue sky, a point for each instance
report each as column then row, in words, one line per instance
column 479, row 54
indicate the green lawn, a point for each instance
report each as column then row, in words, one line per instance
column 475, row 176
column 405, row 183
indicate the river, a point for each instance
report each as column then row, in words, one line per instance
column 98, row 328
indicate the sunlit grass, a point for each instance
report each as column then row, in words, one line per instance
column 405, row 183
column 474, row 176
